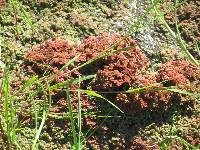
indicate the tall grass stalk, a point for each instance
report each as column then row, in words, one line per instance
column 9, row 113
column 176, row 36
column 95, row 94
column 20, row 10
column 79, row 115
column 168, row 139
column 46, row 108
column 72, row 122
column 140, row 19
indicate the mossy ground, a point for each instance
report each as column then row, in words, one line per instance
column 74, row 21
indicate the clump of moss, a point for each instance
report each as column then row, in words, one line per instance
column 95, row 46
column 114, row 70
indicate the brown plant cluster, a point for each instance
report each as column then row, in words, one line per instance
column 52, row 55
column 2, row 3
column 121, row 70
column 116, row 72
column 178, row 73
column 139, row 144
column 95, row 46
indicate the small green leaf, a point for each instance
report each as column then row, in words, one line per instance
column 94, row 94
column 71, row 116
column 66, row 65
column 182, row 92
column 27, row 84
column 63, row 84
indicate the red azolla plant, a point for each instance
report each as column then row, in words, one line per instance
column 52, row 53
column 178, row 72
column 140, row 144
column 94, row 47
column 172, row 73
column 121, row 69
column 147, row 98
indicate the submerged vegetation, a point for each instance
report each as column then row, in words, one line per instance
column 78, row 75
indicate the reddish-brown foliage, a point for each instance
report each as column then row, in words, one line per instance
column 52, row 53
column 178, row 72
column 148, row 98
column 172, row 73
column 121, row 68
column 2, row 3
column 116, row 72
column 139, row 144
column 93, row 47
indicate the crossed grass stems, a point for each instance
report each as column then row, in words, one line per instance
column 9, row 123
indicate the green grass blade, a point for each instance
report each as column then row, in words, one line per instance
column 79, row 115
column 183, row 46
column 182, row 92
column 71, row 116
column 38, row 132
column 44, row 117
column 66, row 65
column 156, row 87
column 139, row 21
column 25, row 16
column 8, row 106
column 63, row 84
column 18, row 8
column 137, row 90
column 94, row 94
column 18, row 146
column 27, row 84
column 177, row 36
column 106, row 53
